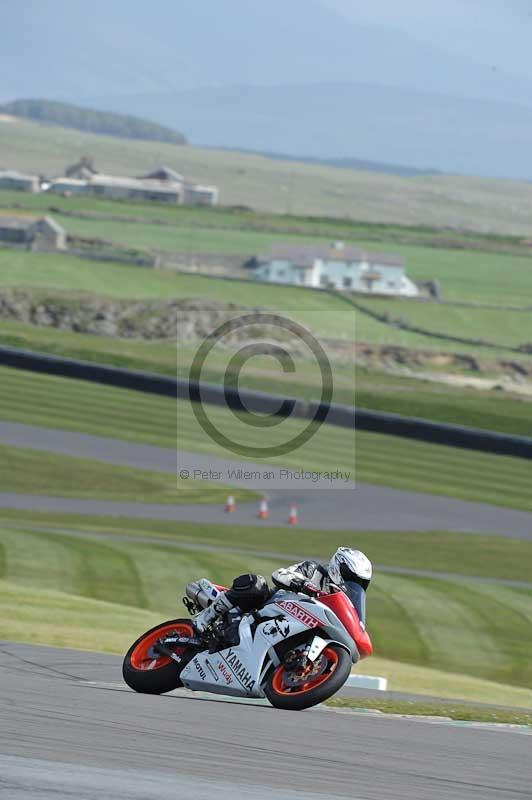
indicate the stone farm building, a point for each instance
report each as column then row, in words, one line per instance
column 32, row 233
column 335, row 266
column 162, row 185
column 18, row 181
column 116, row 188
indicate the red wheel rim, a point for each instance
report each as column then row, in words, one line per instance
column 280, row 687
column 143, row 659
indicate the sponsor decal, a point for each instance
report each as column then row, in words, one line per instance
column 226, row 673
column 177, row 640
column 212, row 670
column 208, row 587
column 276, row 629
column 239, row 670
column 299, row 613
column 199, row 668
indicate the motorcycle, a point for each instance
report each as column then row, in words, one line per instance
column 297, row 650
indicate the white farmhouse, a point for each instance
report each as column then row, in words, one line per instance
column 335, row 266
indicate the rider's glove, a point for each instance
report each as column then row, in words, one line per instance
column 303, row 586
column 296, row 584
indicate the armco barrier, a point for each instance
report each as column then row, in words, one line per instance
column 344, row 416
column 259, row 402
column 426, row 431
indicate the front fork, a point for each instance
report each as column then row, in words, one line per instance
column 299, row 658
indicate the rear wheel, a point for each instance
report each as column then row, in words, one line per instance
column 309, row 684
column 149, row 672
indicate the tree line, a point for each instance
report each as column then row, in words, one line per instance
column 92, row 121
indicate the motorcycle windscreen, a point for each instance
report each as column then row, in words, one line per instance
column 357, row 595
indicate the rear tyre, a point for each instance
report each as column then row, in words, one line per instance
column 295, row 690
column 148, row 672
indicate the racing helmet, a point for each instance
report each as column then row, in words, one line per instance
column 348, row 566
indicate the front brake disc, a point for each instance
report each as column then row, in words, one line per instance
column 301, row 675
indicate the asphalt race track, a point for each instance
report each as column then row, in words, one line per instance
column 71, row 729
column 363, row 507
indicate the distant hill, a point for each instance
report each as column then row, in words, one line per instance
column 92, row 121
column 341, row 163
column 350, row 120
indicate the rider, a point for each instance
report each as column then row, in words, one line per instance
column 348, row 570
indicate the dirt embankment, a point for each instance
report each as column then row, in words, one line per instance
column 190, row 320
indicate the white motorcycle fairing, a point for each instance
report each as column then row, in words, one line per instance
column 240, row 670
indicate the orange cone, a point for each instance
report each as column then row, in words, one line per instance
column 293, row 518
column 264, row 511
column 230, row 504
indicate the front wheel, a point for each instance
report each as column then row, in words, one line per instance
column 306, row 686
column 149, row 672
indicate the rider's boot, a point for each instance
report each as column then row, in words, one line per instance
column 218, row 608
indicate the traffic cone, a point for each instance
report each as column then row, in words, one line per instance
column 264, row 511
column 293, row 518
column 230, row 504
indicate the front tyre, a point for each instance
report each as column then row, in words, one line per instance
column 303, row 687
column 149, row 672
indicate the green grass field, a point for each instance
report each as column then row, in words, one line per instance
column 239, row 219
column 26, row 471
column 478, row 630
column 325, row 315
column 440, row 200
column 480, row 556
column 506, row 328
column 386, row 460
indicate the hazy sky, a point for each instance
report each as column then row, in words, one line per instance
column 494, row 32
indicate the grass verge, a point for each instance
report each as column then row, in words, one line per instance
column 476, row 555
column 458, row 711
column 413, row 678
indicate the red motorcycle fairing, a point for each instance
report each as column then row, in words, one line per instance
column 346, row 613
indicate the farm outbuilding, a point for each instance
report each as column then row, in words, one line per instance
column 163, row 173
column 162, row 185
column 196, row 195
column 18, row 181
column 42, row 233
column 117, row 188
column 82, row 169
column 68, row 186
